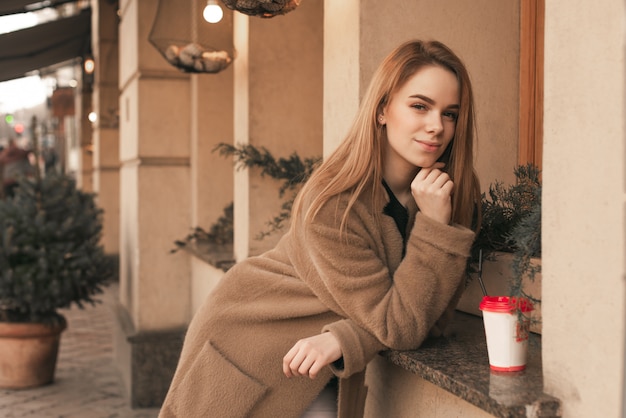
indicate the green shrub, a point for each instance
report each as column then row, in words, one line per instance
column 51, row 254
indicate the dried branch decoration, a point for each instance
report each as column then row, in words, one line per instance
column 262, row 8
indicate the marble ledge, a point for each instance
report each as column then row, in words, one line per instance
column 458, row 363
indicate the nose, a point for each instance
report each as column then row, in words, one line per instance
column 434, row 123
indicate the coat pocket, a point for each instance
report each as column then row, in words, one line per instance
column 212, row 386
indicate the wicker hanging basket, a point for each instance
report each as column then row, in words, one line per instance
column 188, row 42
column 262, row 8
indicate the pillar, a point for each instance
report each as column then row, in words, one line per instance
column 155, row 184
column 106, row 179
column 584, row 217
column 278, row 105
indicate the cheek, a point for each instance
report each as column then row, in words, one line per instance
column 449, row 132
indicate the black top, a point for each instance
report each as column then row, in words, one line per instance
column 398, row 212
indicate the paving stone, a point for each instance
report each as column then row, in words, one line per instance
column 87, row 383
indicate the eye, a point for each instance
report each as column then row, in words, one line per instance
column 419, row 106
column 450, row 115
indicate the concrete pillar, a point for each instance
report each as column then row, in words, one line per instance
column 584, row 218
column 278, row 105
column 84, row 175
column 211, row 124
column 155, row 109
column 106, row 179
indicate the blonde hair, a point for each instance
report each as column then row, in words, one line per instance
column 358, row 161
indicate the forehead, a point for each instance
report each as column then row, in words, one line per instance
column 435, row 82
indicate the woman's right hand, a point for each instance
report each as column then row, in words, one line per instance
column 309, row 355
column 432, row 190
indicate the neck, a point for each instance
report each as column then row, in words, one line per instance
column 400, row 186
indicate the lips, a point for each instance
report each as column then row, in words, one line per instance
column 429, row 146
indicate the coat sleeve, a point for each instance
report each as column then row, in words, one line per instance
column 358, row 347
column 348, row 273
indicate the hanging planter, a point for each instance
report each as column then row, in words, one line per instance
column 187, row 41
column 262, row 8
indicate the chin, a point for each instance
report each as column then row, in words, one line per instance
column 425, row 163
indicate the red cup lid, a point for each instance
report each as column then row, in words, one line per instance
column 505, row 304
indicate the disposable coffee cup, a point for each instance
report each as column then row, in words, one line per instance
column 506, row 331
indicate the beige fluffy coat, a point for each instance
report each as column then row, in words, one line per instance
column 356, row 286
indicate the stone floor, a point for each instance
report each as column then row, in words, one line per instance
column 87, row 383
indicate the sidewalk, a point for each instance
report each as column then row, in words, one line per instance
column 87, row 383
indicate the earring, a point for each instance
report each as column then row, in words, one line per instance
column 380, row 118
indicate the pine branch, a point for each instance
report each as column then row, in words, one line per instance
column 292, row 171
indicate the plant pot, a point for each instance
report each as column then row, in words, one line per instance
column 28, row 354
column 496, row 276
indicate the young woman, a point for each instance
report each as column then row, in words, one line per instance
column 374, row 259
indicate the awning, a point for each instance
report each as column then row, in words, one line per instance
column 44, row 45
column 10, row 7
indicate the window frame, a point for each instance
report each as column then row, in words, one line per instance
column 532, row 21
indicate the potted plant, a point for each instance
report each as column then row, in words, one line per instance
column 505, row 208
column 50, row 258
column 507, row 250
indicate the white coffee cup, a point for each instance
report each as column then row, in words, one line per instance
column 506, row 331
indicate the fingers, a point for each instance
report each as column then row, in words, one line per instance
column 309, row 356
column 292, row 361
column 432, row 190
column 433, row 180
column 299, row 360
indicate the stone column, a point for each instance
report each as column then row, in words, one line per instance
column 584, row 216
column 106, row 182
column 155, row 120
column 83, row 106
column 278, row 105
column 211, row 124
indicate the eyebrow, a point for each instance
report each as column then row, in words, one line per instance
column 431, row 101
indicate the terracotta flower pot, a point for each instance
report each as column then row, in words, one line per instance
column 28, row 354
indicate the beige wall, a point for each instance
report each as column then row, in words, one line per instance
column 484, row 33
column 342, row 67
column 211, row 124
column 583, row 205
column 406, row 396
column 278, row 102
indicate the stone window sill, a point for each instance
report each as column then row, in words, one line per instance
column 458, row 363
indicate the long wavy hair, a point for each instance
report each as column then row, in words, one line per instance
column 358, row 161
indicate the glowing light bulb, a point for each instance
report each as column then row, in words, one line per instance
column 212, row 13
column 89, row 65
column 93, row 117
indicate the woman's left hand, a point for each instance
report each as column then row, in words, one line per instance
column 432, row 190
column 309, row 355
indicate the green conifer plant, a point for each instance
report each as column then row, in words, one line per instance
column 50, row 252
